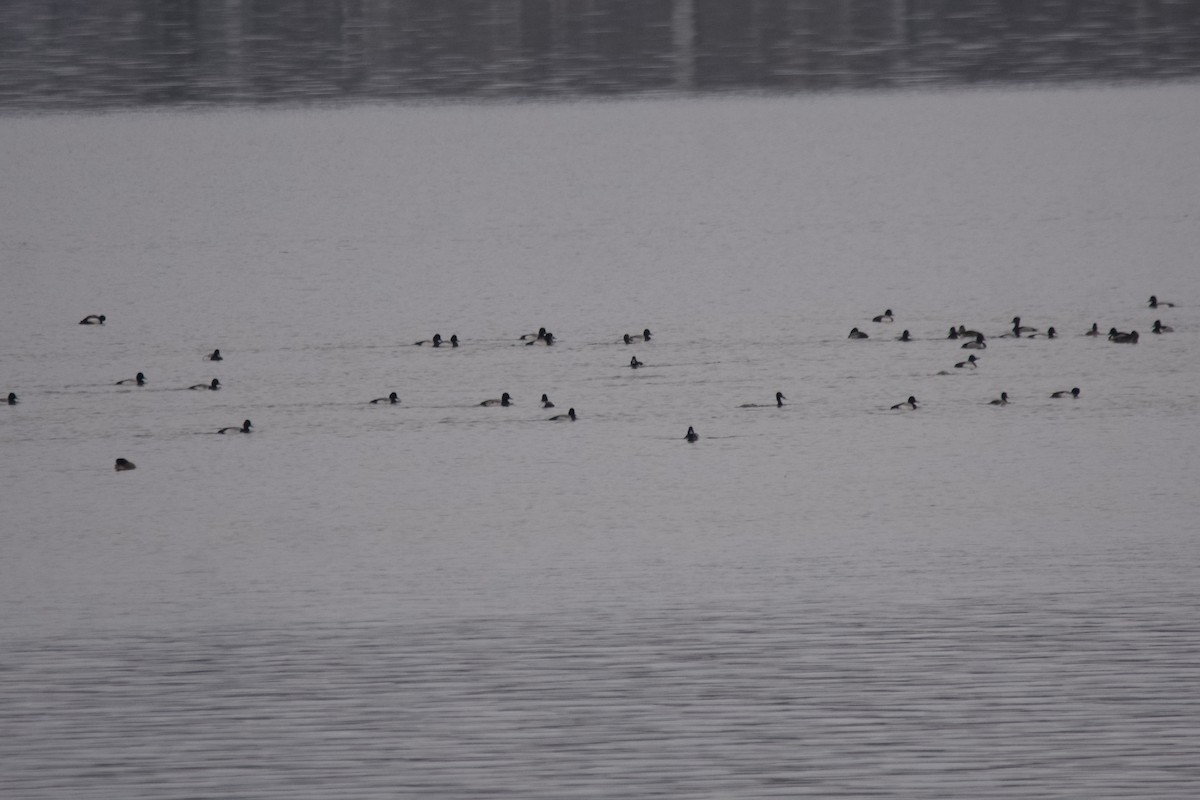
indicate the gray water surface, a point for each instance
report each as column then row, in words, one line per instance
column 440, row 599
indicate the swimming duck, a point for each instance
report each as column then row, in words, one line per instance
column 1073, row 393
column 910, row 404
column 1018, row 328
column 454, row 340
column 1095, row 330
column 634, row 363
column 1049, row 334
column 546, row 338
column 244, row 429
column 1160, row 328
column 541, row 334
column 215, row 355
column 140, row 380
column 391, row 399
column 855, row 333
column 953, row 333
column 546, row 403
column 978, row 344
column 904, row 337
column 567, row 417
column 1154, row 303
column 645, row 334
column 436, row 341
column 691, row 435
column 12, row 398
column 504, row 400
column 1002, row 400
column 779, row 398
column 124, row 465
column 884, row 317
column 970, row 363
column 965, row 333
column 1123, row 338
column 93, row 319
column 216, row 384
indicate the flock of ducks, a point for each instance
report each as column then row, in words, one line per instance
column 975, row 340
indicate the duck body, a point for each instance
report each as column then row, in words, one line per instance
column 567, row 417
column 953, row 333
column 1154, row 303
column 215, row 355
column 970, row 363
column 391, row 399
column 1049, row 334
column 124, row 465
column 886, row 316
column 140, row 380
column 1124, row 338
column 244, row 429
column 541, row 334
column 855, row 333
column 505, row 400
column 214, row 386
column 691, row 435
column 978, row 344
column 93, row 319
column 436, row 341
column 904, row 337
column 634, row 363
column 908, row 405
column 1064, row 393
column 1160, row 328
column 546, row 402
column 546, row 339
column 1002, row 400
column 1095, row 331
column 1018, row 328
column 12, row 398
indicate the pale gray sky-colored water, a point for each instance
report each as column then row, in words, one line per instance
column 443, row 599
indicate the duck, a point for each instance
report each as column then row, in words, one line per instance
column 978, row 344
column 1002, row 400
column 1095, row 331
column 1064, row 393
column 436, row 341
column 904, row 337
column 1018, row 328
column 855, row 333
column 953, row 333
column 567, row 417
column 546, row 402
column 216, row 384
column 909, row 405
column 124, row 465
column 965, row 333
column 546, row 339
column 1124, row 338
column 93, row 319
column 1154, row 303
column 970, row 363
column 391, row 399
column 244, row 429
column 12, row 398
column 779, row 398
column 140, row 380
column 691, row 435
column 454, row 340
column 505, row 400
column 215, row 355
column 1160, row 328
column 886, row 316
column 634, row 363
column 541, row 334
column 1049, row 334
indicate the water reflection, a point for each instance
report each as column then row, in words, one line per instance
column 163, row 52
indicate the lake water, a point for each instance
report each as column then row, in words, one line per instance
column 440, row 599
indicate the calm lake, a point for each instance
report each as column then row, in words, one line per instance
column 831, row 598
